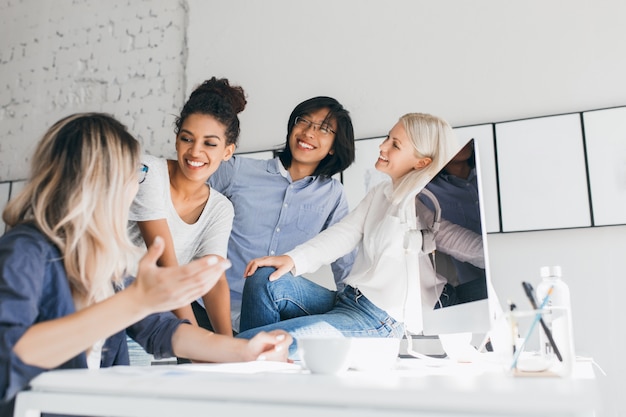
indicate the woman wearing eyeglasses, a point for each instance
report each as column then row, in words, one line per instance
column 282, row 202
column 176, row 202
column 65, row 301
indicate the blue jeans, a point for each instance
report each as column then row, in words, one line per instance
column 351, row 315
column 265, row 302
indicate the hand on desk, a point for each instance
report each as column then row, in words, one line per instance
column 272, row 346
column 200, row 345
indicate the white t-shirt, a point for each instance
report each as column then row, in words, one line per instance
column 94, row 356
column 208, row 235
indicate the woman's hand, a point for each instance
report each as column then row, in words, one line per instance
column 270, row 346
column 168, row 288
column 200, row 345
column 283, row 264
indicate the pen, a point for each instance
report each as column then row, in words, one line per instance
column 514, row 331
column 532, row 327
column 529, row 293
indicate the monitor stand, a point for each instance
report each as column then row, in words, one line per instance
column 459, row 347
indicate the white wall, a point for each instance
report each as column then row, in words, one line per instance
column 470, row 62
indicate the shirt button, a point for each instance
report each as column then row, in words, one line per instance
column 272, row 252
column 285, row 205
column 277, row 229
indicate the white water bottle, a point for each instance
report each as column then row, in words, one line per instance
column 558, row 319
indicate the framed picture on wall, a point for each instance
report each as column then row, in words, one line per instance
column 542, row 175
column 605, row 141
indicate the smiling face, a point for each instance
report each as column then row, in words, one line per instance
column 312, row 139
column 397, row 154
column 201, row 146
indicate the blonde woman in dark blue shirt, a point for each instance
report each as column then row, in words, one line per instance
column 64, row 302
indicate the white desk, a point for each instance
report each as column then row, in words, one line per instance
column 266, row 390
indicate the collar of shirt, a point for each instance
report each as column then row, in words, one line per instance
column 283, row 171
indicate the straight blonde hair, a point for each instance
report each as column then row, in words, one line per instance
column 78, row 195
column 432, row 137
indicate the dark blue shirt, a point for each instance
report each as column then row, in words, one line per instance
column 33, row 289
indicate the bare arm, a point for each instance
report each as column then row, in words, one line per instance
column 217, row 304
column 51, row 343
column 201, row 345
column 150, row 229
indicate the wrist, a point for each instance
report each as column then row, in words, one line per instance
column 134, row 301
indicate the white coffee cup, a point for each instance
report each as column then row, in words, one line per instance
column 324, row 355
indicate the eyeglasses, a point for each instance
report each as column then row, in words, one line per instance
column 322, row 128
column 142, row 171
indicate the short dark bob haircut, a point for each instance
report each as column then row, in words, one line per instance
column 343, row 145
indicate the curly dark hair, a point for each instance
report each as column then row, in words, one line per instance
column 217, row 98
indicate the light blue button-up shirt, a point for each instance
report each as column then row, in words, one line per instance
column 273, row 214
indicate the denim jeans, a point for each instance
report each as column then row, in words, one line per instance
column 265, row 302
column 351, row 315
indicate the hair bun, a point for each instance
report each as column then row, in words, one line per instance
column 221, row 87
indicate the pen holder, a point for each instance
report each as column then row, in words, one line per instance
column 541, row 341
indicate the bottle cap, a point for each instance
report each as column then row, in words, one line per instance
column 550, row 271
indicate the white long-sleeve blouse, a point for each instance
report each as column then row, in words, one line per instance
column 380, row 268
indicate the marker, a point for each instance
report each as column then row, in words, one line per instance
column 514, row 328
column 530, row 294
column 532, row 327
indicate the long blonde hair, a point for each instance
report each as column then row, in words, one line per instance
column 78, row 195
column 432, row 137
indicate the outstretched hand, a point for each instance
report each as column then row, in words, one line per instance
column 168, row 288
column 283, row 264
column 270, row 346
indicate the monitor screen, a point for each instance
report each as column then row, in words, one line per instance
column 464, row 305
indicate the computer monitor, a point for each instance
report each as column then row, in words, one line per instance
column 468, row 304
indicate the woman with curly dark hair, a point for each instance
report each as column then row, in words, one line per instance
column 177, row 203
